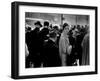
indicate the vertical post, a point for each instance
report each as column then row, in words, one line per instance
column 76, row 20
column 61, row 20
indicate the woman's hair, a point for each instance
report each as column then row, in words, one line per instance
column 64, row 25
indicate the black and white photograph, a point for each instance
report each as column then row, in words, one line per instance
column 55, row 40
column 51, row 40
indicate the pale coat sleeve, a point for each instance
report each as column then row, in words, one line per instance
column 63, row 45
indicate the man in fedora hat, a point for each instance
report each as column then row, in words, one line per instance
column 34, row 54
column 51, row 56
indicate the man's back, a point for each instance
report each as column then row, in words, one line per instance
column 51, row 54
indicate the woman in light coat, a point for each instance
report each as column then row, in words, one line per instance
column 64, row 45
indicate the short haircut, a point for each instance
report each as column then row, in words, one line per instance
column 55, row 27
column 46, row 23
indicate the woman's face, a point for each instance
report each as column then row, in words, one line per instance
column 66, row 29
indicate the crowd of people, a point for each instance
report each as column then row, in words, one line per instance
column 51, row 46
